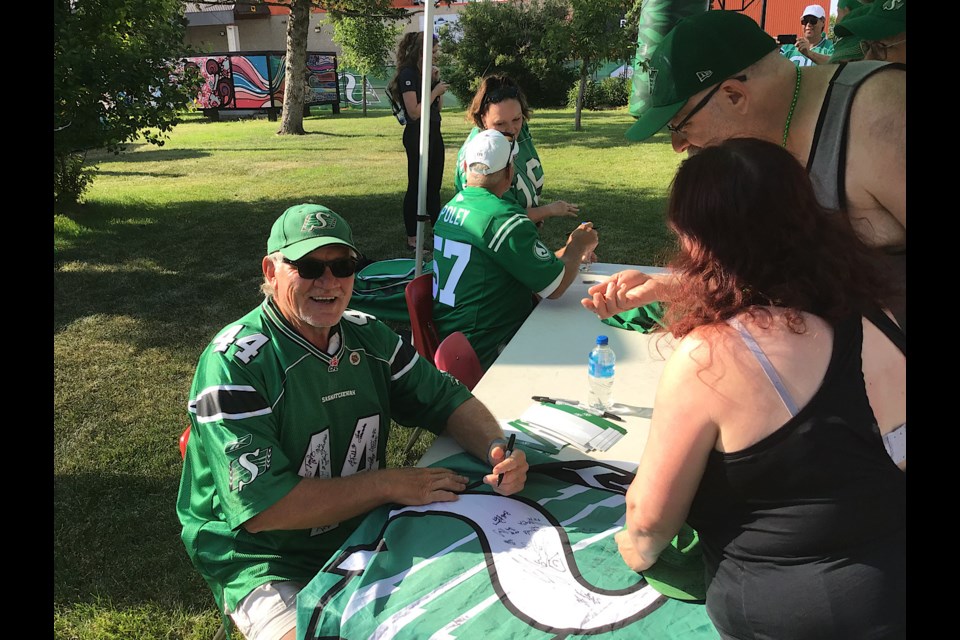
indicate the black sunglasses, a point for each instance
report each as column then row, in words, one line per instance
column 499, row 94
column 313, row 269
column 678, row 129
column 809, row 20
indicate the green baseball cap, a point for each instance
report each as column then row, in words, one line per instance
column 849, row 4
column 305, row 227
column 882, row 19
column 699, row 52
column 846, row 49
column 678, row 572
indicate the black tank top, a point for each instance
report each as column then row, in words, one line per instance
column 804, row 532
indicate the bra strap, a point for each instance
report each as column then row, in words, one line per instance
column 766, row 365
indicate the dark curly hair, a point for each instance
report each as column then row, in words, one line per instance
column 752, row 234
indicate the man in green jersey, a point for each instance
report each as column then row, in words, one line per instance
column 290, row 412
column 488, row 258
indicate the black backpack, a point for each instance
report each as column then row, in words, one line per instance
column 398, row 110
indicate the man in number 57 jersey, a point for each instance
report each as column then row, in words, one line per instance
column 488, row 257
column 290, row 413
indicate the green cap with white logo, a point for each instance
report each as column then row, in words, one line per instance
column 883, row 19
column 306, row 227
column 700, row 51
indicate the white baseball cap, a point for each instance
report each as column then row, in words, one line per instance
column 489, row 147
column 814, row 10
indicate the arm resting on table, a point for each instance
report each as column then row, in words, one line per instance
column 474, row 428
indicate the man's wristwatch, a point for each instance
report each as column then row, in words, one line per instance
column 502, row 442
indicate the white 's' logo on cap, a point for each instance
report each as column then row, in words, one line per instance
column 703, row 75
column 892, row 5
column 319, row 220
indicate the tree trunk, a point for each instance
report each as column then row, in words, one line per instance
column 298, row 24
column 363, row 84
column 580, row 93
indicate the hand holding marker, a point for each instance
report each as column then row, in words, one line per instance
column 506, row 454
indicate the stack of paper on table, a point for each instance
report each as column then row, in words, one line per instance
column 557, row 425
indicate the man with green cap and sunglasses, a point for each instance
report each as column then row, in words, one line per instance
column 290, row 412
column 845, row 123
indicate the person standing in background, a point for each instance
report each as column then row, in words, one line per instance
column 405, row 89
column 813, row 46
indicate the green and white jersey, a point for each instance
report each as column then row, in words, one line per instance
column 268, row 408
column 488, row 260
column 541, row 564
column 791, row 52
column 528, row 172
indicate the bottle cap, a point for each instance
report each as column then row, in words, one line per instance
column 602, row 340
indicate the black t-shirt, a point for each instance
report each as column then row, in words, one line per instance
column 408, row 79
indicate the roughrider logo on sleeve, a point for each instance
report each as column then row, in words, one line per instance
column 540, row 250
column 245, row 469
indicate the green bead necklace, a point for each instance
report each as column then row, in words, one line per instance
column 793, row 105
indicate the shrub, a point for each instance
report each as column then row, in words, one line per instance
column 70, row 180
column 117, row 77
column 615, row 92
column 609, row 93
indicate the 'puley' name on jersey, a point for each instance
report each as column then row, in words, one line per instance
column 454, row 215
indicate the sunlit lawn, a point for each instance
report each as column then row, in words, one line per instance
column 167, row 250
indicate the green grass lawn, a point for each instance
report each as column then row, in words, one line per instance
column 166, row 251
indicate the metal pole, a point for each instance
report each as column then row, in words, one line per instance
column 425, row 81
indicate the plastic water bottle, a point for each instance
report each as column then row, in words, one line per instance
column 600, row 373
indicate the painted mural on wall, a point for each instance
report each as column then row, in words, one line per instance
column 256, row 81
column 216, row 92
column 322, row 78
column 352, row 89
column 251, row 82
